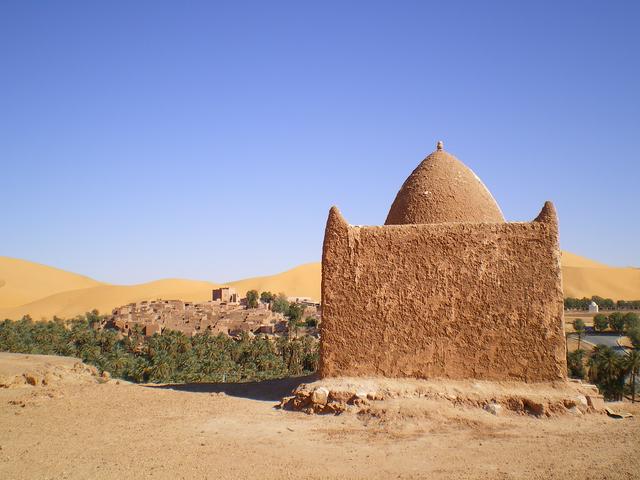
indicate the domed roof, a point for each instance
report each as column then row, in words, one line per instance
column 443, row 189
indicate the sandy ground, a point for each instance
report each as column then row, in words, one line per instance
column 77, row 427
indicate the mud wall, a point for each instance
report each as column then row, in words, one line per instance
column 453, row 300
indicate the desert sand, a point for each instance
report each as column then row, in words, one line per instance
column 23, row 282
column 572, row 260
column 42, row 292
column 583, row 278
column 65, row 299
column 106, row 297
column 302, row 281
column 78, row 427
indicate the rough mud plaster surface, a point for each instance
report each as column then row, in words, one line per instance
column 453, row 300
column 443, row 189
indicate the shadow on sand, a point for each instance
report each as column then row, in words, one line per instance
column 266, row 390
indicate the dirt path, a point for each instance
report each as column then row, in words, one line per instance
column 123, row 431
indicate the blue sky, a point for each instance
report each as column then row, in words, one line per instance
column 207, row 140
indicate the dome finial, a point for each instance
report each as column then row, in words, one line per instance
column 442, row 189
column 440, row 146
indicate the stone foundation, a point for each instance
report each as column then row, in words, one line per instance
column 375, row 395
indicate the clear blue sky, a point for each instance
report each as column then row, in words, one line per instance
column 207, row 140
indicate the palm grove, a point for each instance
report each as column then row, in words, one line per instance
column 614, row 374
column 172, row 356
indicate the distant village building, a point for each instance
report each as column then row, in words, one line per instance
column 151, row 329
column 224, row 295
column 593, row 307
column 215, row 317
column 305, row 301
column 445, row 288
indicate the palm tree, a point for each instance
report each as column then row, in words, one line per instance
column 184, row 343
column 594, row 362
column 294, row 365
column 605, row 370
column 118, row 363
column 579, row 327
column 139, row 370
column 162, row 368
column 631, row 364
column 293, row 327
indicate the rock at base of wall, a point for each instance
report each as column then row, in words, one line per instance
column 367, row 395
column 596, row 402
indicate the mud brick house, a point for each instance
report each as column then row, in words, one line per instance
column 446, row 288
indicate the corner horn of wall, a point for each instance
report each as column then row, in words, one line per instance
column 547, row 214
column 336, row 220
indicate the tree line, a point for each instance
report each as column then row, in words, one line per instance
column 621, row 323
column 168, row 358
column 571, row 303
column 604, row 367
column 280, row 304
column 607, row 369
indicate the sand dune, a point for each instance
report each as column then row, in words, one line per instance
column 43, row 292
column 24, row 282
column 572, row 260
column 608, row 282
column 106, row 297
column 583, row 278
column 302, row 281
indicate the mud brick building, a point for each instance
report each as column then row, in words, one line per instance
column 446, row 288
